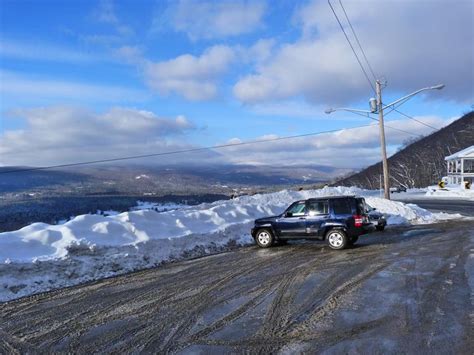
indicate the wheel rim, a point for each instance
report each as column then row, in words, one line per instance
column 335, row 239
column 263, row 238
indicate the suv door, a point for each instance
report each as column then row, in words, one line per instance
column 318, row 213
column 292, row 223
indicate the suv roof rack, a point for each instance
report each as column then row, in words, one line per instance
column 331, row 197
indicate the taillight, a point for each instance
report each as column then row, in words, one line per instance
column 358, row 220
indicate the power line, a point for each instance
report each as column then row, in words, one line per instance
column 414, row 119
column 358, row 42
column 401, row 130
column 391, row 127
column 352, row 47
column 191, row 150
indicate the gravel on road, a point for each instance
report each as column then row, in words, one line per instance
column 404, row 290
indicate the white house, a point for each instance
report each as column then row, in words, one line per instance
column 461, row 166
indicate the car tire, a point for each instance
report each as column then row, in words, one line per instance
column 264, row 238
column 380, row 228
column 337, row 239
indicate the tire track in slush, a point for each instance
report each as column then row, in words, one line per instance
column 158, row 310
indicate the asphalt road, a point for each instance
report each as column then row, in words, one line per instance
column 405, row 290
column 464, row 207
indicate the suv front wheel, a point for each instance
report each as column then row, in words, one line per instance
column 337, row 239
column 264, row 238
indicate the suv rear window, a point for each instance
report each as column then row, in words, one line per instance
column 341, row 206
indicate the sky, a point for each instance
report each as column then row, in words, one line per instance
column 86, row 80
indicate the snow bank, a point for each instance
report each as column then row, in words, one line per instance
column 450, row 192
column 40, row 256
column 156, row 206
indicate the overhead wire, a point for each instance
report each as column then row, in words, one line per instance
column 352, row 47
column 190, row 150
column 370, row 67
column 358, row 42
column 385, row 125
column 414, row 119
column 255, row 141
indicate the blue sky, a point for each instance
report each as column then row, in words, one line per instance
column 219, row 71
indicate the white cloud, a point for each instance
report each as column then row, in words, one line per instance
column 193, row 77
column 38, row 89
column 211, row 19
column 46, row 52
column 259, row 53
column 297, row 109
column 131, row 54
column 414, row 44
column 351, row 148
column 55, row 135
column 105, row 13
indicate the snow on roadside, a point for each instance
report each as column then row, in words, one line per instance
column 401, row 213
column 41, row 257
column 450, row 192
column 156, row 206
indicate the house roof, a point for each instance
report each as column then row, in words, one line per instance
column 468, row 152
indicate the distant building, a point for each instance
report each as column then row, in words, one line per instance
column 461, row 167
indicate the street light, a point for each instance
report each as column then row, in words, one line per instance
column 409, row 96
column 377, row 106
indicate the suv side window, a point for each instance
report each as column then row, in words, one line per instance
column 297, row 209
column 318, row 207
column 341, row 206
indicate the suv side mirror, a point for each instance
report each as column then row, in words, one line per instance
column 288, row 214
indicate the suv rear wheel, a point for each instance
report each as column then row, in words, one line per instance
column 337, row 239
column 264, row 238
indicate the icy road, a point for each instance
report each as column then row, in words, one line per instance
column 405, row 290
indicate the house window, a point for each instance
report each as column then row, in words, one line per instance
column 452, row 166
column 469, row 166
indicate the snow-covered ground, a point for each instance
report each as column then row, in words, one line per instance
column 450, row 192
column 41, row 257
column 427, row 193
column 156, row 206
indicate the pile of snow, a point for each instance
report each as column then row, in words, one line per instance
column 156, row 206
column 451, row 192
column 41, row 257
column 143, row 176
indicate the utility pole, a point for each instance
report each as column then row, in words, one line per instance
column 386, row 177
column 377, row 106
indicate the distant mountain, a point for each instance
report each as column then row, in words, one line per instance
column 159, row 181
column 421, row 163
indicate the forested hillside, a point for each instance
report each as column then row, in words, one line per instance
column 421, row 163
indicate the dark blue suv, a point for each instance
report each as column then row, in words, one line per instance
column 339, row 220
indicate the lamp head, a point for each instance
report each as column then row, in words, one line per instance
column 329, row 110
column 438, row 87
